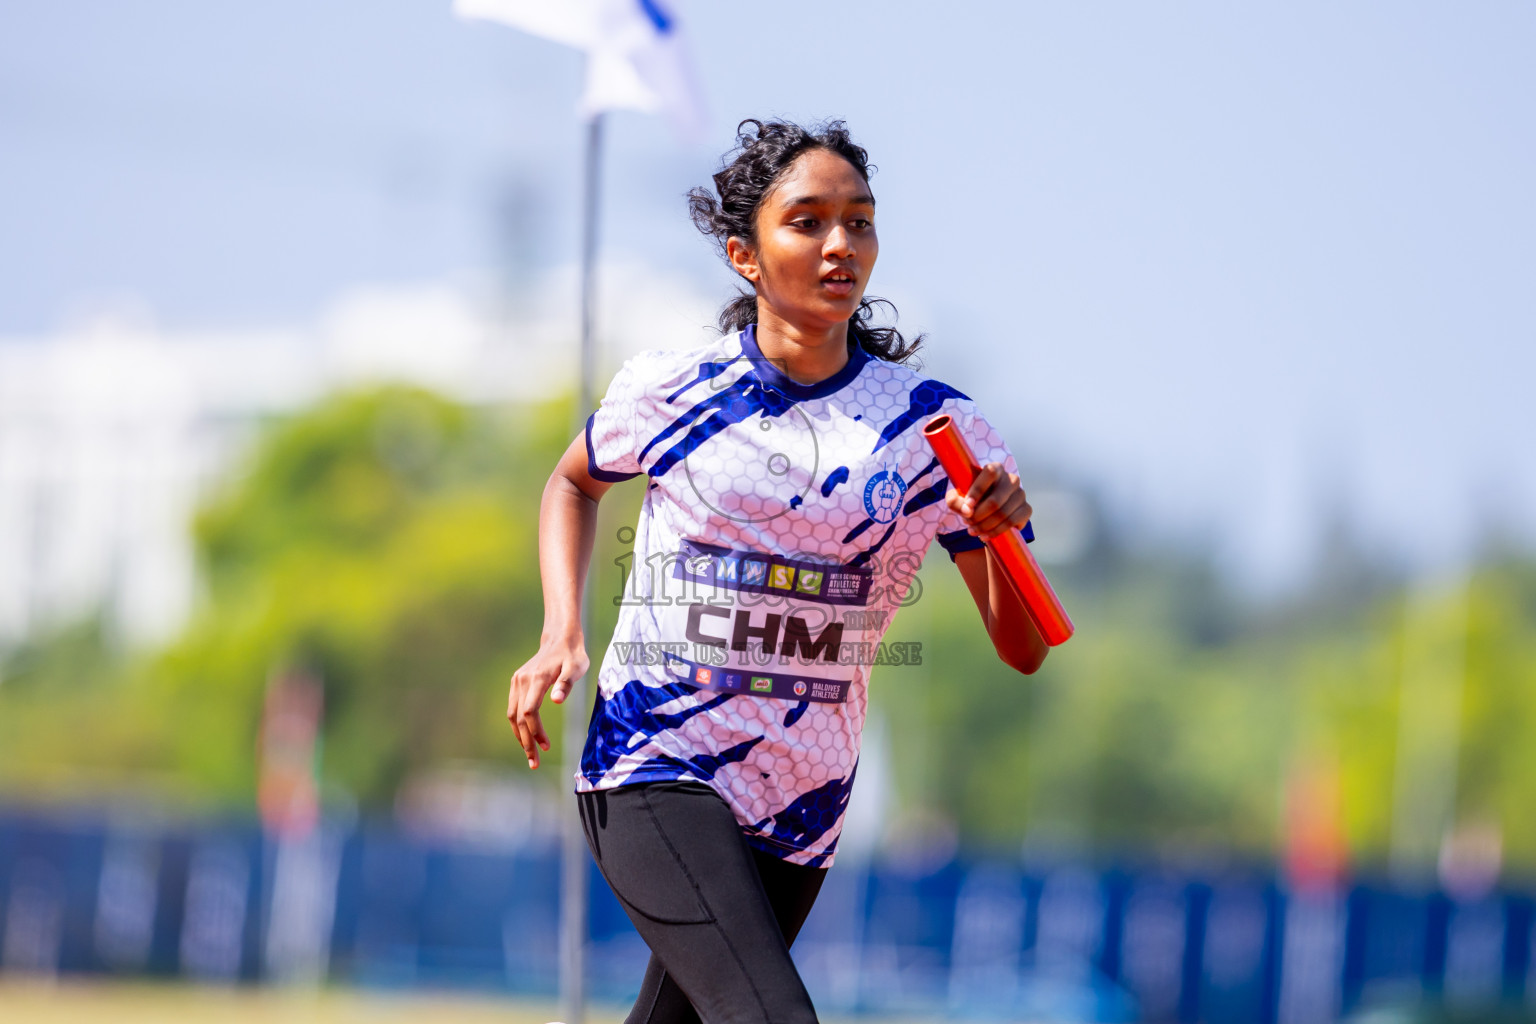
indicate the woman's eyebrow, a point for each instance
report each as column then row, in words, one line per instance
column 864, row 199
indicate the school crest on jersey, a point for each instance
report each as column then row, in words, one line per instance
column 883, row 494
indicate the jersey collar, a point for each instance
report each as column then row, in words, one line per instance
column 773, row 378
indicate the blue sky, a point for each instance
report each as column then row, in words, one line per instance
column 1242, row 265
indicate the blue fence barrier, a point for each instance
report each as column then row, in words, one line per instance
column 370, row 905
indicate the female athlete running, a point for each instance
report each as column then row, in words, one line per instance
column 789, row 498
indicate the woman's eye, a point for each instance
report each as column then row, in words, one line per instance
column 806, row 222
column 860, row 223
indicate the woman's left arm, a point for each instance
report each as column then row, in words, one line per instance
column 994, row 503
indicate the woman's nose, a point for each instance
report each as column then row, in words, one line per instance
column 839, row 243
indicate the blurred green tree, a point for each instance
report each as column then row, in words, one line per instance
column 385, row 540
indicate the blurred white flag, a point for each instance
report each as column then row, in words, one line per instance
column 635, row 57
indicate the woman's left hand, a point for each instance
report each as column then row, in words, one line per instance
column 995, row 502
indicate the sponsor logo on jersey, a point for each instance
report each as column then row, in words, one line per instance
column 883, row 494
column 846, row 584
column 782, row 576
column 773, row 687
column 828, row 691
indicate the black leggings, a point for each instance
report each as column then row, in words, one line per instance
column 718, row 915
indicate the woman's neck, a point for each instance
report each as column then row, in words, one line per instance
column 804, row 356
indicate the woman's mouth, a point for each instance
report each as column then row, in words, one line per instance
column 839, row 283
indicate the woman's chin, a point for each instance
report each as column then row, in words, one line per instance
column 836, row 308
column 822, row 311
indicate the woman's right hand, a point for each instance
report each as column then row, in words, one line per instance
column 559, row 663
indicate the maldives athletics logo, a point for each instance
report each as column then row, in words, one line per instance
column 883, row 494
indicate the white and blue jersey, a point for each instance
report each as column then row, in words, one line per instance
column 781, row 528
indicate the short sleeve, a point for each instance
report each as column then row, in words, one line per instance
column 988, row 445
column 613, row 453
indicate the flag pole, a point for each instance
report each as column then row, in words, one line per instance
column 573, row 864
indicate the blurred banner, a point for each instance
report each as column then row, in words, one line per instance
column 396, row 908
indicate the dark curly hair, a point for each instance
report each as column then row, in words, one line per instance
column 748, row 173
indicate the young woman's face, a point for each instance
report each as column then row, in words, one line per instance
column 816, row 242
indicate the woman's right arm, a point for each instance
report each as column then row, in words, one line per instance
column 567, row 525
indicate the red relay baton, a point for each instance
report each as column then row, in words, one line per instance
column 1012, row 553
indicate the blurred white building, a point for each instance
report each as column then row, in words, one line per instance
column 111, row 430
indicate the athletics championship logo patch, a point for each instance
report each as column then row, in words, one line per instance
column 883, row 494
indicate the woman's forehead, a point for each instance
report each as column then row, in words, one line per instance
column 821, row 176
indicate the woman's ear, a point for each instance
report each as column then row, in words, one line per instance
column 743, row 259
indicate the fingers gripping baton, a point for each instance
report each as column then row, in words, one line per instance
column 1012, row 553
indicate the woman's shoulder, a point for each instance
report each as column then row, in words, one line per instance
column 912, row 383
column 664, row 366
